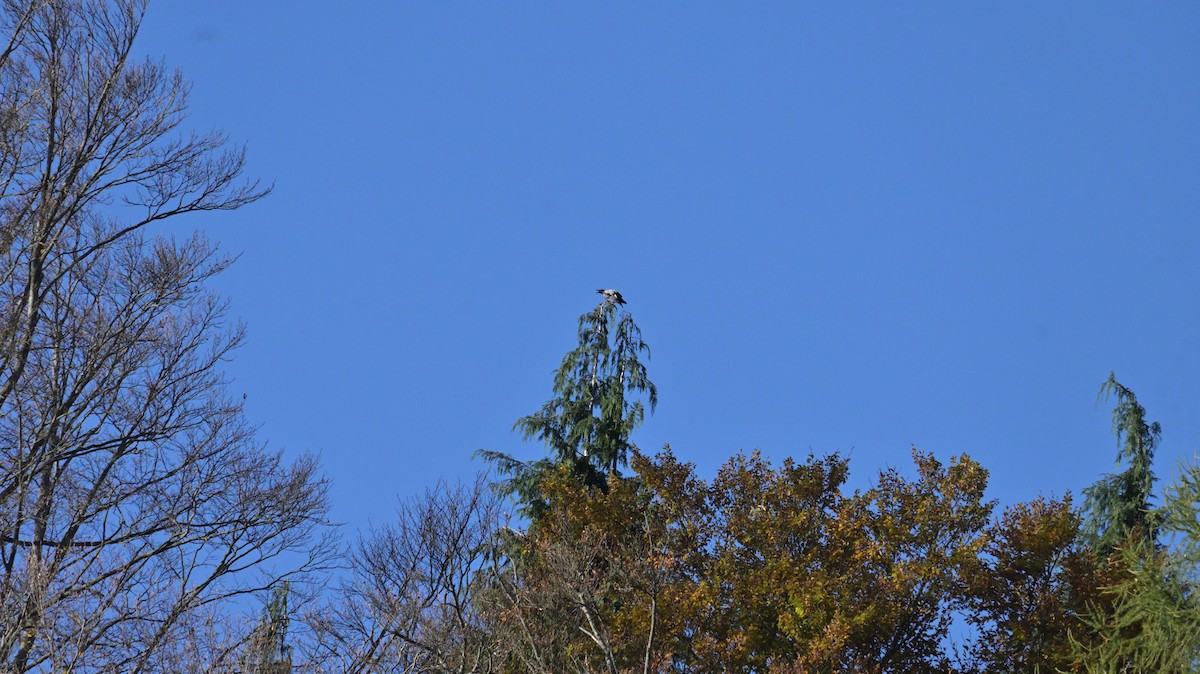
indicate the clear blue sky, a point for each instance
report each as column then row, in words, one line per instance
column 841, row 226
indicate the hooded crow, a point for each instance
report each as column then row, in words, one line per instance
column 611, row 295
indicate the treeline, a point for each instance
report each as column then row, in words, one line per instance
column 140, row 516
column 628, row 562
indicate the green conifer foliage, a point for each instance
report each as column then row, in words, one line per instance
column 597, row 404
column 1153, row 624
column 267, row 651
column 1153, row 621
column 1119, row 504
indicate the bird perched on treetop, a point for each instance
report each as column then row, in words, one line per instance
column 611, row 295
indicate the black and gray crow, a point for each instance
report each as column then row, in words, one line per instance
column 611, row 295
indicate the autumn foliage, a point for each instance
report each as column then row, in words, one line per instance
column 781, row 569
column 784, row 569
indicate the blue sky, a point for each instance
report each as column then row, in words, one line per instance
column 847, row 226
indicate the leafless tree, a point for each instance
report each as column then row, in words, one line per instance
column 410, row 601
column 135, row 500
column 581, row 591
column 544, row 598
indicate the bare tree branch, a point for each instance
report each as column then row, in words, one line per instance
column 410, row 602
column 134, row 497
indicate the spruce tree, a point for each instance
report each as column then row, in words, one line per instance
column 267, row 651
column 1153, row 623
column 1118, row 505
column 597, row 404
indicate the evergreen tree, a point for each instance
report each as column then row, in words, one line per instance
column 267, row 651
column 1153, row 624
column 1118, row 505
column 596, row 405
